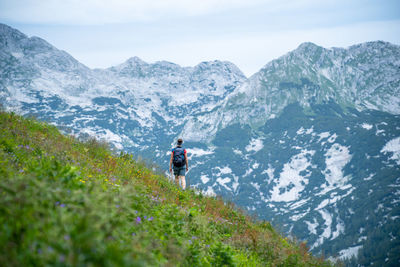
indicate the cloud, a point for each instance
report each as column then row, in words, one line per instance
column 250, row 52
column 92, row 12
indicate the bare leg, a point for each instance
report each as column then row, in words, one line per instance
column 177, row 180
column 183, row 181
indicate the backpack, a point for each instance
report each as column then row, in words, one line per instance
column 179, row 157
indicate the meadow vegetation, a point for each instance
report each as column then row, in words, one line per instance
column 66, row 202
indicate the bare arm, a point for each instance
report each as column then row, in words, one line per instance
column 187, row 162
column 170, row 161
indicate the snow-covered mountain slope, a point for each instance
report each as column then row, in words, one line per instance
column 331, row 178
column 311, row 142
column 122, row 104
column 364, row 76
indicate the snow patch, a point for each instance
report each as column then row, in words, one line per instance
column 204, row 179
column 255, row 145
column 369, row 178
column 298, row 216
column 198, row 152
column 256, row 186
column 349, row 252
column 224, row 170
column 332, row 138
column 291, row 183
column 327, row 217
column 367, row 126
column 393, row 146
column 270, row 173
column 209, row 192
column 237, row 152
column 223, row 182
column 336, row 159
column 312, row 227
column 339, row 229
column 323, row 136
column 304, row 131
column 299, row 203
column 17, row 54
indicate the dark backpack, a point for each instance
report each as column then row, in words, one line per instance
column 179, row 157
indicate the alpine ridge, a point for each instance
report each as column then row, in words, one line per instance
column 303, row 143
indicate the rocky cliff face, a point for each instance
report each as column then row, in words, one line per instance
column 364, row 76
column 310, row 142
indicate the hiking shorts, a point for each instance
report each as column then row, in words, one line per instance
column 180, row 171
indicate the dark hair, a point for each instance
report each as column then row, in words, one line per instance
column 180, row 141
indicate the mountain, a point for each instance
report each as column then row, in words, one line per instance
column 302, row 143
column 365, row 76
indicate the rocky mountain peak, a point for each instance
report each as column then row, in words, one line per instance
column 9, row 36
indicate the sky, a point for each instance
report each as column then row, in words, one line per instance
column 248, row 33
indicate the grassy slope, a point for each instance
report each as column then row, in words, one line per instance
column 64, row 202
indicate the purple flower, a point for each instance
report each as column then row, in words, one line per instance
column 62, row 205
column 117, row 206
column 133, row 234
column 61, row 258
column 138, row 220
column 145, row 217
column 151, row 218
column 67, row 237
column 21, row 170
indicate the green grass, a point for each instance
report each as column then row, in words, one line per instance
column 70, row 203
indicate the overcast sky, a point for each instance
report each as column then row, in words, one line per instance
column 249, row 33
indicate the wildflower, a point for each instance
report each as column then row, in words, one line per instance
column 151, row 218
column 21, row 170
column 138, row 220
column 194, row 237
column 133, row 234
column 62, row 205
column 117, row 206
column 61, row 258
column 67, row 237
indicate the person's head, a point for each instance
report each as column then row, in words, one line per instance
column 180, row 142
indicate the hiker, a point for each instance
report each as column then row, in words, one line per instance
column 180, row 161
